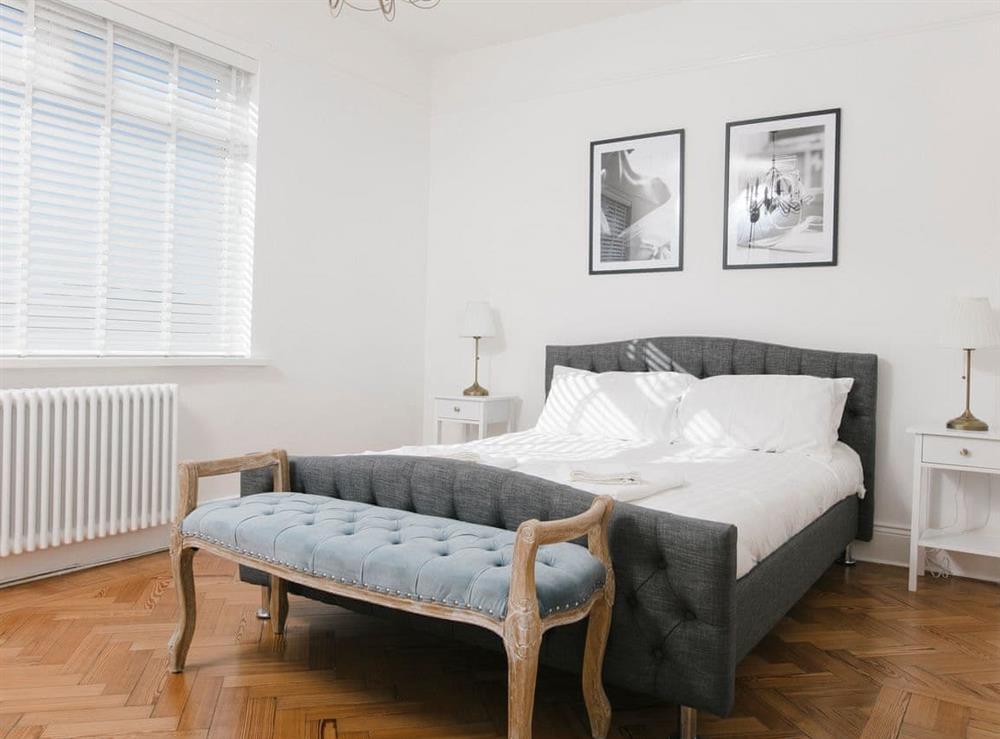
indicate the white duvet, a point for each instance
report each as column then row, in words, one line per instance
column 768, row 497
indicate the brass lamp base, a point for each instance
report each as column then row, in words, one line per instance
column 475, row 389
column 967, row 422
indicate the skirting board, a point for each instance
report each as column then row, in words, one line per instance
column 891, row 545
column 55, row 560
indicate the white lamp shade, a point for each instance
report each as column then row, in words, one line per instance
column 478, row 320
column 971, row 324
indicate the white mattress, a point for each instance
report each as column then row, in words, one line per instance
column 768, row 497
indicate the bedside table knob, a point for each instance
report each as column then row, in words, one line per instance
column 964, row 452
column 458, row 410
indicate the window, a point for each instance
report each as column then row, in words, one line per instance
column 127, row 168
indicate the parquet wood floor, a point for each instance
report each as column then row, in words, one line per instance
column 85, row 655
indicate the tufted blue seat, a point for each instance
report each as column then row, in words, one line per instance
column 424, row 558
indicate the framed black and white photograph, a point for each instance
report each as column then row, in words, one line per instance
column 637, row 203
column 781, row 191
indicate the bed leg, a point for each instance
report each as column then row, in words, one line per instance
column 264, row 612
column 688, row 723
column 846, row 559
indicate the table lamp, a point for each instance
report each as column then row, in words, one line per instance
column 477, row 324
column 970, row 325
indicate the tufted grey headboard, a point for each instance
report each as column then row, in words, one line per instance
column 704, row 356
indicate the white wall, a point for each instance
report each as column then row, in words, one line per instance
column 919, row 197
column 340, row 256
column 345, row 233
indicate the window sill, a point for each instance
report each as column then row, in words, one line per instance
column 11, row 363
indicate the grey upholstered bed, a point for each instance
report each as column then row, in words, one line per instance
column 682, row 620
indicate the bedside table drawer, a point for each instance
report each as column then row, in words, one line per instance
column 961, row 452
column 462, row 410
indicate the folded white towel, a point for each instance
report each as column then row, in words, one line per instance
column 619, row 483
column 461, row 456
column 605, row 478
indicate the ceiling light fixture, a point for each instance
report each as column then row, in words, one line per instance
column 388, row 7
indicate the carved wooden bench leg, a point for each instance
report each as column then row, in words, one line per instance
column 598, row 705
column 182, row 560
column 279, row 604
column 522, row 637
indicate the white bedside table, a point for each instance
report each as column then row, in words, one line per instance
column 939, row 448
column 474, row 411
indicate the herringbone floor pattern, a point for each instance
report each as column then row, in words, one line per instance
column 84, row 655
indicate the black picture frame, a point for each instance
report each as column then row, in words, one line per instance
column 679, row 266
column 726, row 197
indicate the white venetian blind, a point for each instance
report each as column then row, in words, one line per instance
column 126, row 190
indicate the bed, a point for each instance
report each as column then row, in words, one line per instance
column 693, row 596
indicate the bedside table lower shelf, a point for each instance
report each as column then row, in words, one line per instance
column 974, row 541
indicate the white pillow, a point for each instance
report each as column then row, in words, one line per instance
column 613, row 405
column 770, row 413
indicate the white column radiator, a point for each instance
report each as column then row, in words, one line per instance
column 80, row 463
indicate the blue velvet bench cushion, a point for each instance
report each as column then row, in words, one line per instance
column 424, row 558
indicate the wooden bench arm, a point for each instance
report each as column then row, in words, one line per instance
column 567, row 529
column 230, row 465
column 190, row 472
column 534, row 533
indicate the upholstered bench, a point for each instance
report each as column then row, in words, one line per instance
column 518, row 585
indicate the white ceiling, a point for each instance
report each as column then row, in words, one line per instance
column 460, row 25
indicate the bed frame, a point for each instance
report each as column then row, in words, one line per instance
column 682, row 621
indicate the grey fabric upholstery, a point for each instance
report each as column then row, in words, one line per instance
column 423, row 558
column 673, row 625
column 707, row 356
